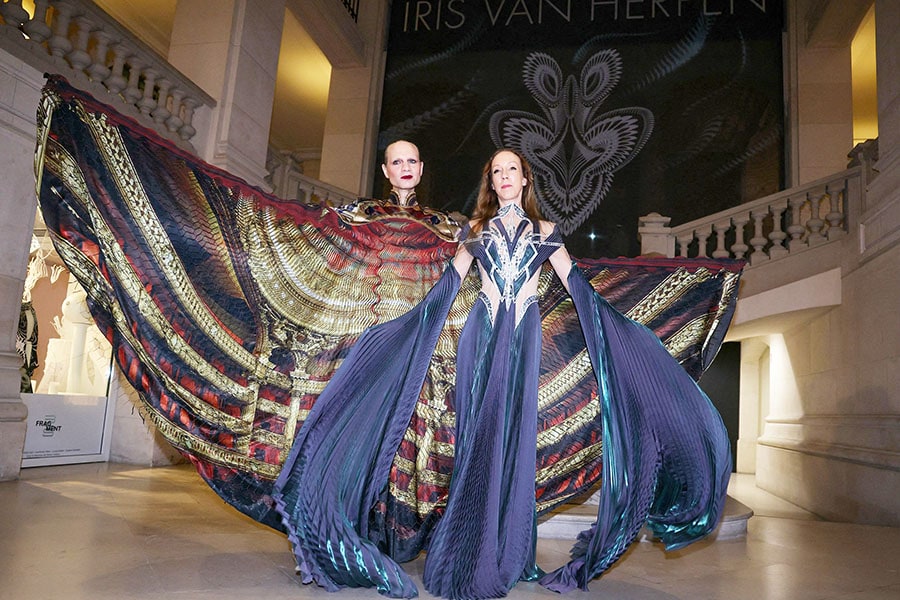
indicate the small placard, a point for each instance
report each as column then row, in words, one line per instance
column 66, row 428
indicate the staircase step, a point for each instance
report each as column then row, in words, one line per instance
column 569, row 520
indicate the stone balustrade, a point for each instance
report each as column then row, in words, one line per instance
column 308, row 189
column 76, row 39
column 289, row 182
column 766, row 229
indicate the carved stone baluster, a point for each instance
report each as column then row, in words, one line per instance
column 161, row 112
column 98, row 69
column 739, row 248
column 815, row 223
column 174, row 121
column 796, row 228
column 835, row 216
column 132, row 89
column 59, row 43
column 79, row 57
column 187, row 130
column 116, row 81
column 758, row 241
column 721, row 229
column 13, row 13
column 36, row 28
column 702, row 237
column 75, row 37
column 777, row 235
column 684, row 244
column 147, row 103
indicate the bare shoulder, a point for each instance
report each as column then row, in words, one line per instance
column 475, row 225
column 547, row 228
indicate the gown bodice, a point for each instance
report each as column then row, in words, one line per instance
column 508, row 261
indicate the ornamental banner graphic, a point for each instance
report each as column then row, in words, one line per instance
column 622, row 107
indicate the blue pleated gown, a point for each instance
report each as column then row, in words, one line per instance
column 485, row 542
column 666, row 457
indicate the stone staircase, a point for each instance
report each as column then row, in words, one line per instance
column 569, row 520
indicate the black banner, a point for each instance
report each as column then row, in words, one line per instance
column 622, row 107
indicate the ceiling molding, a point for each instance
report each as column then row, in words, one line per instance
column 333, row 30
column 149, row 20
column 833, row 23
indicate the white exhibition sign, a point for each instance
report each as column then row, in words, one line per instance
column 66, row 429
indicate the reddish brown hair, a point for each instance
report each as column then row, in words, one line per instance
column 487, row 205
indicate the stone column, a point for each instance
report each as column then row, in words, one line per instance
column 754, row 389
column 886, row 187
column 354, row 105
column 21, row 85
column 230, row 49
column 820, row 93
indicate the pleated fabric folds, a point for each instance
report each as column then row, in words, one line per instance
column 485, row 541
column 666, row 459
column 666, row 455
column 341, row 459
column 229, row 309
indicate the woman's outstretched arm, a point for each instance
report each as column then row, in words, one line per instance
column 559, row 260
column 462, row 261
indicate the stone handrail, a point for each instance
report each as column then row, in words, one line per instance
column 76, row 39
column 313, row 190
column 289, row 182
column 766, row 229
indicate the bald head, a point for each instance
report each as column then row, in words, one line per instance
column 402, row 167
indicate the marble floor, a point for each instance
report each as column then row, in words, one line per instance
column 101, row 531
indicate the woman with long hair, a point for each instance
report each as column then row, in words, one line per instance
column 487, row 204
column 498, row 363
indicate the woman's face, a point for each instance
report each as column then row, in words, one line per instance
column 402, row 166
column 507, row 178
